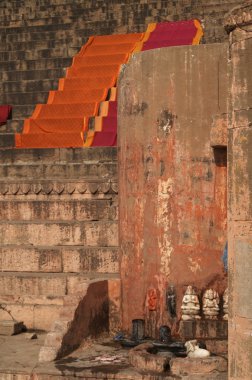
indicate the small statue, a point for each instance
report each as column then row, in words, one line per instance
column 225, row 305
column 211, row 302
column 190, row 305
column 193, row 350
column 152, row 299
column 171, row 301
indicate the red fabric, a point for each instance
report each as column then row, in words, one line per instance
column 112, row 111
column 5, row 112
column 171, row 34
column 104, row 139
column 109, row 124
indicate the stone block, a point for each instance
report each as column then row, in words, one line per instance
column 63, row 233
column 32, row 284
column 53, row 339
column 218, row 133
column 77, row 284
column 47, row 354
column 60, row 325
column 142, row 359
column 100, row 260
column 203, row 329
column 30, row 259
column 63, row 210
column 216, row 346
column 11, row 327
column 188, row 366
column 44, row 315
column 32, row 300
column 19, row 312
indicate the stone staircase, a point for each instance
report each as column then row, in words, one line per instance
column 39, row 38
column 58, row 232
column 58, row 226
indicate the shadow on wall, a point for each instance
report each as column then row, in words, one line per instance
column 91, row 318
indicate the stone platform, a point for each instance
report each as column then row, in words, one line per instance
column 102, row 359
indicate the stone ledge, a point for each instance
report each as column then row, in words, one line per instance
column 58, row 187
column 218, row 134
column 203, row 329
column 141, row 358
column 188, row 366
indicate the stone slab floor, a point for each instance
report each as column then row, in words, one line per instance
column 94, row 360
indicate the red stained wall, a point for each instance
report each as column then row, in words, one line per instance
column 172, row 182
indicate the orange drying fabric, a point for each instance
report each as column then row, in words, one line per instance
column 67, row 97
column 61, row 111
column 116, row 39
column 199, row 32
column 109, row 49
column 112, row 40
column 52, row 140
column 69, row 84
column 93, row 72
column 96, row 60
column 55, row 125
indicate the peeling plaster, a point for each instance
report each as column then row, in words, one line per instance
column 165, row 190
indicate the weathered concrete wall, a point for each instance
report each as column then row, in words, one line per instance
column 172, row 182
column 240, row 196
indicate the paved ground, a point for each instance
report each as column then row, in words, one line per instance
column 95, row 360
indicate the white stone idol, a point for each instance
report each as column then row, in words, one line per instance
column 190, row 305
column 193, row 350
column 225, row 305
column 211, row 302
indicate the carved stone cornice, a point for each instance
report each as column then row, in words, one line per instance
column 54, row 187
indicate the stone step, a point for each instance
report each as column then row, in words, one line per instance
column 39, row 21
column 90, row 233
column 42, row 44
column 37, row 312
column 38, row 299
column 7, row 140
column 55, row 171
column 38, row 64
column 70, row 259
column 45, row 284
column 32, row 85
column 20, row 112
column 24, row 98
column 103, row 25
column 61, row 51
column 41, row 17
column 12, row 126
column 39, row 3
column 48, row 35
column 14, row 76
column 99, row 155
column 56, row 210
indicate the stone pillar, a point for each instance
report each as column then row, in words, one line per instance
column 239, row 24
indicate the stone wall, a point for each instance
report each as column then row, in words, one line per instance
column 240, row 195
column 58, row 229
column 173, row 182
